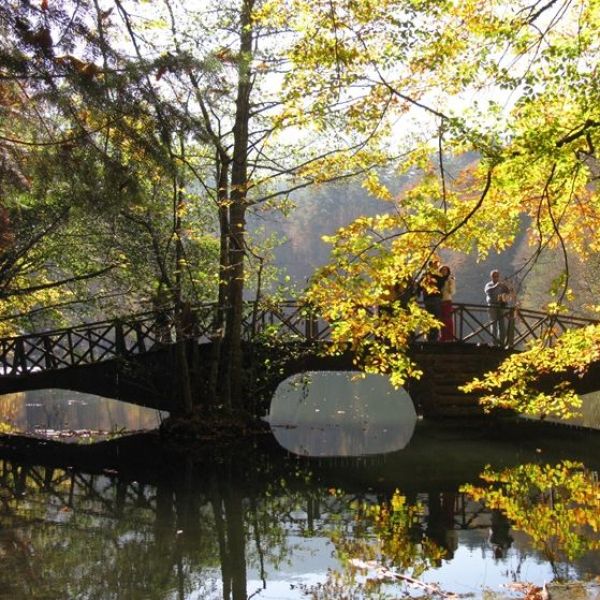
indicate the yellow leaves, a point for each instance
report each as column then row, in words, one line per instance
column 335, row 164
column 556, row 506
column 15, row 305
column 555, row 308
column 398, row 501
column 271, row 13
column 523, row 381
column 385, row 540
column 537, row 168
column 353, row 294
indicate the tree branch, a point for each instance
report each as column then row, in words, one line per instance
column 46, row 286
column 582, row 131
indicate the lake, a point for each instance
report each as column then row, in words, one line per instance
column 352, row 496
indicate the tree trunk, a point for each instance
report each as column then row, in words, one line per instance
column 184, row 384
column 218, row 384
column 237, row 211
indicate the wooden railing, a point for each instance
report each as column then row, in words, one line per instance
column 288, row 321
column 472, row 324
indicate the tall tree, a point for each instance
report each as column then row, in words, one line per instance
column 216, row 70
column 194, row 93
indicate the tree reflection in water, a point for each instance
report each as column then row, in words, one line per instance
column 227, row 527
column 385, row 544
column 558, row 507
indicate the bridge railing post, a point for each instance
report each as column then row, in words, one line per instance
column 20, row 362
column 510, row 327
column 141, row 344
column 458, row 315
column 311, row 322
column 90, row 343
column 72, row 358
column 120, row 347
column 49, row 358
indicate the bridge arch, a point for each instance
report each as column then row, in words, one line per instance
column 341, row 413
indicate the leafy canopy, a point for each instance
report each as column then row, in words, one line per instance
column 511, row 83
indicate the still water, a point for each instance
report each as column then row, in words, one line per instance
column 73, row 415
column 352, row 497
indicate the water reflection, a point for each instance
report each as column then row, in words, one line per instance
column 325, row 413
column 256, row 521
column 55, row 410
column 558, row 506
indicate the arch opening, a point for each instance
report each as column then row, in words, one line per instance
column 60, row 413
column 341, row 413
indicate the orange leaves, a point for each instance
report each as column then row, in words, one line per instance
column 529, row 591
column 226, row 55
column 160, row 72
column 86, row 69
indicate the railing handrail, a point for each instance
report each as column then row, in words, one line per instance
column 289, row 303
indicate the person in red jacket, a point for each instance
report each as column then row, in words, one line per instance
column 448, row 291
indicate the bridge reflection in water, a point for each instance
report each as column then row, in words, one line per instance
column 329, row 413
column 254, row 521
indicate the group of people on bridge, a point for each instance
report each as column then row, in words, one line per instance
column 437, row 288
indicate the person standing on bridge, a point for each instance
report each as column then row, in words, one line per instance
column 431, row 286
column 496, row 294
column 448, row 291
